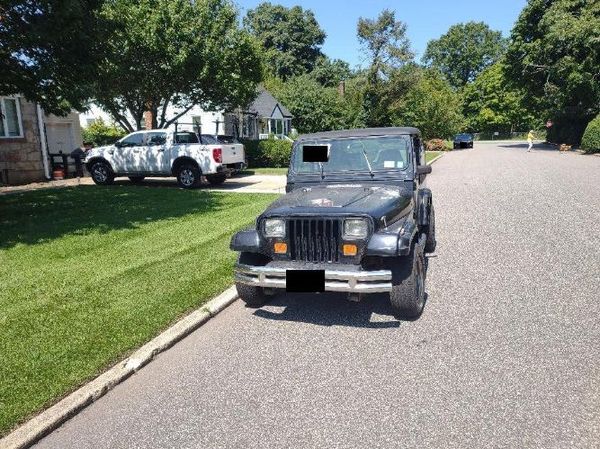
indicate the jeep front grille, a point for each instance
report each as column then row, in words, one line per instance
column 314, row 239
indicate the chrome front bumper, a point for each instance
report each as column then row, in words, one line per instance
column 335, row 280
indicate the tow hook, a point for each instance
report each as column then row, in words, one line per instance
column 355, row 297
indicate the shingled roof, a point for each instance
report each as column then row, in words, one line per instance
column 265, row 103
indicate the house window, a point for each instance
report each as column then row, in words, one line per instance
column 10, row 117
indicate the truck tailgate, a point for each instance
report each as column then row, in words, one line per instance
column 233, row 153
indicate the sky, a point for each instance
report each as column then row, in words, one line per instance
column 425, row 19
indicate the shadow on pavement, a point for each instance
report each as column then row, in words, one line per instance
column 331, row 309
column 536, row 147
column 334, row 309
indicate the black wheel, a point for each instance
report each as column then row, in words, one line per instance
column 431, row 242
column 102, row 173
column 217, row 179
column 188, row 176
column 251, row 295
column 136, row 179
column 408, row 284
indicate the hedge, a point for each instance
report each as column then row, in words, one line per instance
column 268, row 153
column 590, row 143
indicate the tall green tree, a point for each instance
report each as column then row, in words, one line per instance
column 554, row 55
column 49, row 50
column 492, row 104
column 330, row 72
column 464, row 51
column 290, row 37
column 314, row 107
column 174, row 52
column 431, row 105
column 386, row 47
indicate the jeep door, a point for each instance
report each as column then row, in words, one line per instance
column 125, row 155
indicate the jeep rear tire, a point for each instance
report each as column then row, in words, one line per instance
column 217, row 179
column 431, row 242
column 408, row 284
column 188, row 176
column 253, row 296
column 102, row 173
column 136, row 179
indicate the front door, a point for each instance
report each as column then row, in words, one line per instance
column 60, row 138
column 126, row 155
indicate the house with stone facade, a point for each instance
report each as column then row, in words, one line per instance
column 27, row 138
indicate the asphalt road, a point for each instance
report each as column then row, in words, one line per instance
column 506, row 353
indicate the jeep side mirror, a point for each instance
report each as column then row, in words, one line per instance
column 423, row 169
column 118, row 144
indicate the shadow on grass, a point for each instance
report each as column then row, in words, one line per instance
column 41, row 215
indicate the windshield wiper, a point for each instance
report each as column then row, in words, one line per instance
column 368, row 163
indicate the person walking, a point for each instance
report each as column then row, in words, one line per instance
column 530, row 140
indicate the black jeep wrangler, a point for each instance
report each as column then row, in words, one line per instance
column 356, row 219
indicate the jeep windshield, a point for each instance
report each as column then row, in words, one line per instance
column 360, row 154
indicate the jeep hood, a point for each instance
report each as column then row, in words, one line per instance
column 383, row 203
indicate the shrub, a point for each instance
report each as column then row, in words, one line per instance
column 268, row 153
column 590, row 143
column 437, row 145
column 99, row 133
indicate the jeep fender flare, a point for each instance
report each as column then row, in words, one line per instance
column 424, row 200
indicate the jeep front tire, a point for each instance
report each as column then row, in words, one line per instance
column 408, row 284
column 431, row 242
column 102, row 173
column 253, row 296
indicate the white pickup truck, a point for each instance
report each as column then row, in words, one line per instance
column 165, row 153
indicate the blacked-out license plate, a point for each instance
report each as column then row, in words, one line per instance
column 305, row 281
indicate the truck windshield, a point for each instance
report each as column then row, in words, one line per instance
column 368, row 154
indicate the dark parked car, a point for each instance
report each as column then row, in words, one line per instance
column 356, row 218
column 463, row 140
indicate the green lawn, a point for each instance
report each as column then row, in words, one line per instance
column 430, row 155
column 90, row 273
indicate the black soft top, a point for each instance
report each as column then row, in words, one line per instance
column 362, row 132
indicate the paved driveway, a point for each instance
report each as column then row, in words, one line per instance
column 506, row 354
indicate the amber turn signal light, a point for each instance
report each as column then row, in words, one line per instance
column 280, row 248
column 350, row 250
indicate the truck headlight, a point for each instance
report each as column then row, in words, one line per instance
column 274, row 227
column 355, row 228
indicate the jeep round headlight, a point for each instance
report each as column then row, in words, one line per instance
column 355, row 228
column 274, row 227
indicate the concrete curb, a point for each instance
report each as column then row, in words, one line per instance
column 47, row 421
column 435, row 159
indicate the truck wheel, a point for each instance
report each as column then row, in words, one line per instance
column 217, row 179
column 431, row 242
column 188, row 176
column 408, row 284
column 102, row 173
column 136, row 179
column 251, row 295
